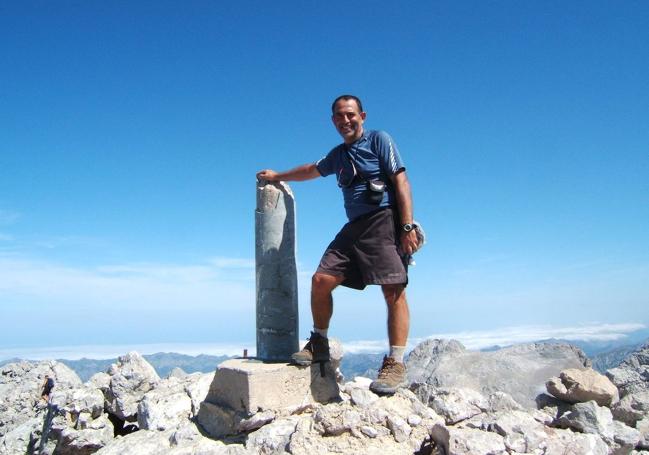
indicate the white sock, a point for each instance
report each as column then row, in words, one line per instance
column 321, row 332
column 396, row 352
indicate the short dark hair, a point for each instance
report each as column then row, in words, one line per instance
column 347, row 98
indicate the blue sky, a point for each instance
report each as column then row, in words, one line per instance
column 130, row 133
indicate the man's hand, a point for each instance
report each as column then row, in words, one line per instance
column 267, row 174
column 409, row 243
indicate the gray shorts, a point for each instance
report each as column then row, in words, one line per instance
column 365, row 252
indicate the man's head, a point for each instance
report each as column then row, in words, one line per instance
column 348, row 117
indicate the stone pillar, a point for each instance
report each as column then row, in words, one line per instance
column 276, row 272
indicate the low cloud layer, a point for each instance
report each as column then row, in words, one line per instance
column 514, row 335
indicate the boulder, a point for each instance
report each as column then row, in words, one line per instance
column 177, row 373
column 467, row 441
column 643, row 428
column 632, row 408
column 130, row 378
column 590, row 418
column 520, row 371
column 582, row 385
column 632, row 375
column 93, row 437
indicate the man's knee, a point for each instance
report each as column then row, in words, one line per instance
column 322, row 283
column 394, row 293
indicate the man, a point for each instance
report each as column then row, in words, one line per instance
column 48, row 385
column 373, row 246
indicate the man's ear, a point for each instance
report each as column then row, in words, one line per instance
column 363, row 115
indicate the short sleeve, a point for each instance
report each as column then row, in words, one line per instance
column 388, row 153
column 326, row 165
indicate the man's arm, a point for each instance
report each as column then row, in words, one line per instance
column 298, row 174
column 404, row 204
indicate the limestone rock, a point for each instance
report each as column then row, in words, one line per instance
column 85, row 441
column 632, row 408
column 272, row 438
column 100, row 381
column 130, row 378
column 467, row 441
column 454, row 404
column 164, row 408
column 22, row 411
column 590, row 418
column 143, row 442
column 83, row 399
column 520, row 371
column 632, row 375
column 643, row 428
column 578, row 386
column 177, row 373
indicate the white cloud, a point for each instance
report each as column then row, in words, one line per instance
column 512, row 335
column 145, row 285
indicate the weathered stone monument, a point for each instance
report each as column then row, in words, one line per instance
column 276, row 272
column 246, row 393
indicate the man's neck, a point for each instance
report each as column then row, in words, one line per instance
column 356, row 138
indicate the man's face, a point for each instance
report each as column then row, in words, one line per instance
column 348, row 120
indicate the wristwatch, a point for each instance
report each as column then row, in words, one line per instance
column 407, row 227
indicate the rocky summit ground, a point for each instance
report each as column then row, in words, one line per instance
column 528, row 399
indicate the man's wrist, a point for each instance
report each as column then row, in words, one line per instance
column 407, row 227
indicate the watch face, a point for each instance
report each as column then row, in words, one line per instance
column 407, row 227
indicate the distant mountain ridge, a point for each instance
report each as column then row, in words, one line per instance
column 603, row 354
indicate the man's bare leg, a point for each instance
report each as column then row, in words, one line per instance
column 392, row 374
column 317, row 349
column 322, row 305
column 398, row 313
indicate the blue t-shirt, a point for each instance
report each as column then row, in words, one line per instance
column 372, row 157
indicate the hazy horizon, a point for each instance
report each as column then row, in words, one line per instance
column 471, row 340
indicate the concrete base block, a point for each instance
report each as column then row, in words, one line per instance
column 249, row 386
column 243, row 388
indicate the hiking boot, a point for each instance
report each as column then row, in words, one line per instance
column 316, row 350
column 392, row 376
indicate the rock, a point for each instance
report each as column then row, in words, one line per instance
column 454, row 404
column 100, row 381
column 85, row 441
column 632, row 408
column 632, row 375
column 579, row 386
column 173, row 401
column 625, row 438
column 164, row 408
column 368, row 431
column 467, row 441
column 399, row 428
column 566, row 442
column 83, row 399
column 130, row 378
column 363, row 397
column 272, row 438
column 143, row 442
column 177, row 373
column 590, row 418
column 256, row 421
column 520, row 371
column 22, row 411
column 643, row 428
column 424, row 359
column 197, row 385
